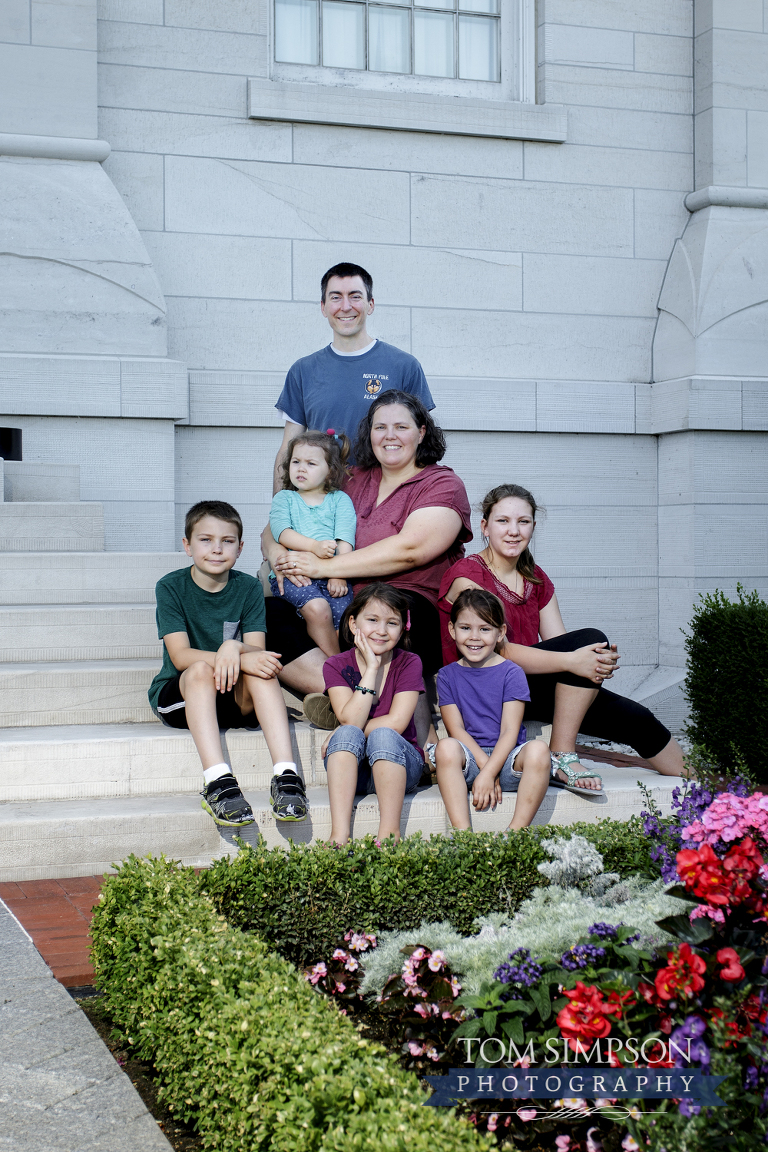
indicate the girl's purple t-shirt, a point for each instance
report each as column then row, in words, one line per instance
column 404, row 675
column 480, row 695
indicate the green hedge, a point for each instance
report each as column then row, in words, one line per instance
column 303, row 900
column 727, row 680
column 244, row 1046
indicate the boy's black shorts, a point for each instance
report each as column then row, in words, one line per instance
column 172, row 711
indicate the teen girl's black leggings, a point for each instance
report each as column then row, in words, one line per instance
column 610, row 716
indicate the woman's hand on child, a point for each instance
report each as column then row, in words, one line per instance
column 300, row 564
column 595, row 662
column 337, row 587
column 280, row 575
column 226, row 665
column 265, row 665
column 486, row 791
column 325, row 549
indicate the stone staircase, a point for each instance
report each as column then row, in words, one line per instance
column 89, row 775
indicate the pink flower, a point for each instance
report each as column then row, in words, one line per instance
column 420, row 1010
column 629, row 1144
column 414, row 1048
column 594, row 1143
column 715, row 914
column 436, row 961
column 524, row 1062
column 410, row 979
column 493, row 1121
column 351, row 964
column 562, row 1143
column 431, row 1051
column 340, row 954
column 527, row 1113
column 340, row 987
column 455, row 987
column 316, row 973
column 417, row 956
column 360, row 941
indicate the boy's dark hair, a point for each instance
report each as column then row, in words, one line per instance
column 487, row 606
column 388, row 595
column 335, row 446
column 218, row 508
column 432, row 447
column 345, row 270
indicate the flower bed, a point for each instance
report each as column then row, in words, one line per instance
column 244, row 1046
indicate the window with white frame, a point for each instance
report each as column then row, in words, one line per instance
column 458, row 39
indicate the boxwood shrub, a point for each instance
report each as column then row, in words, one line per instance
column 244, row 1046
column 727, row 681
column 301, row 901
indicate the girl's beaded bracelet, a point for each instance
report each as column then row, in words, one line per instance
column 359, row 688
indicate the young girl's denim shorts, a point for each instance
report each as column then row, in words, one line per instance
column 382, row 744
column 509, row 777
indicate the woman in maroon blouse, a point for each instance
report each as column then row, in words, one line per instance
column 413, row 518
column 565, row 670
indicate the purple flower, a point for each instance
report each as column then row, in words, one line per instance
column 521, row 969
column 580, row 956
column 604, row 931
column 750, row 1082
column 688, row 1109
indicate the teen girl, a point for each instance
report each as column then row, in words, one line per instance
column 312, row 514
column 374, row 688
column 565, row 670
column 482, row 700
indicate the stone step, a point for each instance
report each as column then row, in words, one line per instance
column 63, row 632
column 50, row 526
column 83, row 692
column 50, row 839
column 76, row 692
column 128, row 760
column 84, row 577
column 31, row 480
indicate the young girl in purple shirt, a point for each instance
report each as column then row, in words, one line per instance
column 373, row 688
column 482, row 700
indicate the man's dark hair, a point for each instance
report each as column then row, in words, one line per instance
column 344, row 271
column 218, row 508
column 432, row 447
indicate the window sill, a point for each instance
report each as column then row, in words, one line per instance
column 406, row 112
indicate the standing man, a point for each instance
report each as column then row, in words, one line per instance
column 332, row 388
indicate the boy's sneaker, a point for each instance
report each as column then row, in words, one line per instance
column 224, row 801
column 287, row 797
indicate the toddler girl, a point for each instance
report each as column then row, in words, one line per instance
column 373, row 688
column 311, row 514
column 482, row 700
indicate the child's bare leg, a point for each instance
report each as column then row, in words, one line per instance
column 534, row 763
column 669, row 762
column 342, row 781
column 389, row 779
column 571, row 704
column 319, row 619
column 198, row 689
column 265, row 698
column 449, row 761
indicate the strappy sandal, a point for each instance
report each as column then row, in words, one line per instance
column 562, row 761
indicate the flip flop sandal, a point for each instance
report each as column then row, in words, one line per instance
column 562, row 761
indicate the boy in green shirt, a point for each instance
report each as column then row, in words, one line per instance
column 216, row 672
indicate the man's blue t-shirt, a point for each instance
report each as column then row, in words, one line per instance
column 325, row 390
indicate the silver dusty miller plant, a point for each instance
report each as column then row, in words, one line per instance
column 577, row 864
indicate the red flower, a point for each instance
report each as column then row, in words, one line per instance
column 722, row 882
column 585, row 1017
column 617, row 1002
column 733, row 971
column 659, row 1057
column 682, row 976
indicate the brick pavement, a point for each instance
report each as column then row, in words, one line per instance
column 57, row 915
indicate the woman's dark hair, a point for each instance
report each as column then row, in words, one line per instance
column 432, row 447
column 336, row 447
column 388, row 595
column 487, row 606
column 525, row 565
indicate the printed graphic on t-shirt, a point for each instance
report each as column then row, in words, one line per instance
column 232, row 630
column 373, row 384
